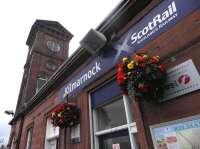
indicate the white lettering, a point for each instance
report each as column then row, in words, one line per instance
column 174, row 7
column 98, row 68
column 158, row 21
column 134, row 38
column 92, row 72
column 89, row 74
column 170, row 10
column 145, row 30
column 165, row 15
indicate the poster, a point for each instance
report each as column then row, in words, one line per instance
column 182, row 135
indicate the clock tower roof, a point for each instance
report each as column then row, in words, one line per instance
column 52, row 27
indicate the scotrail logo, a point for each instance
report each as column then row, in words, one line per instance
column 159, row 21
column 136, row 37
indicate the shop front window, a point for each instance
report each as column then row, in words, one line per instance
column 111, row 115
column 112, row 122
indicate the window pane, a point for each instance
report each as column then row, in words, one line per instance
column 75, row 134
column 111, row 115
column 40, row 83
column 51, row 131
column 53, row 144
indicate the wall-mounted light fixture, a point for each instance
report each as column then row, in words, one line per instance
column 9, row 112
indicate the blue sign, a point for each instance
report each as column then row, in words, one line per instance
column 159, row 20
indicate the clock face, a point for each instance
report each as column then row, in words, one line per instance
column 53, row 46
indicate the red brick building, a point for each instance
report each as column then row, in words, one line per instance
column 108, row 119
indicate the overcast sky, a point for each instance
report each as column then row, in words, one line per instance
column 17, row 17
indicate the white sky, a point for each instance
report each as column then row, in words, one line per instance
column 17, row 17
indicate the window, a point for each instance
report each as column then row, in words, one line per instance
column 51, row 66
column 52, row 136
column 111, row 120
column 75, row 134
column 111, row 115
column 29, row 138
column 41, row 80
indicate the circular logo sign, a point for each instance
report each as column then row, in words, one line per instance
column 184, row 79
column 115, row 146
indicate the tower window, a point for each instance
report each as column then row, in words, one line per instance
column 51, row 66
column 41, row 80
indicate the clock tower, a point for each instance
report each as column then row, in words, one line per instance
column 48, row 44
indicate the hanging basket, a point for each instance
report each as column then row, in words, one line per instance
column 142, row 76
column 65, row 115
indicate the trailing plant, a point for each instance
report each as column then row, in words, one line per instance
column 65, row 115
column 142, row 76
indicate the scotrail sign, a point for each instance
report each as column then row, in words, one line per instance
column 157, row 21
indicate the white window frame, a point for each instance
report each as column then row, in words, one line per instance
column 76, row 133
column 130, row 126
column 49, row 137
column 29, row 138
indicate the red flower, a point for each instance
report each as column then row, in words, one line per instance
column 120, row 74
column 142, row 65
column 144, row 88
column 60, row 121
column 138, row 58
column 162, row 67
column 120, row 78
column 154, row 59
